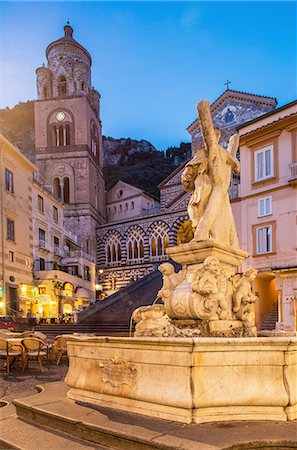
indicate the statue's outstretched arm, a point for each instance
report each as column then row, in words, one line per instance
column 232, row 150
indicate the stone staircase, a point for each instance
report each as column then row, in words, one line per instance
column 270, row 320
column 100, row 329
column 111, row 317
column 118, row 308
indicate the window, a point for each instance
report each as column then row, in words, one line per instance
column 41, row 264
column 66, row 196
column 56, row 242
column 9, row 181
column 57, row 188
column 41, row 290
column 73, row 270
column 40, row 204
column 135, row 246
column 264, row 163
column 62, row 86
column 10, row 229
column 87, row 274
column 55, row 214
column 41, row 237
column 158, row 240
column 11, row 256
column 264, row 239
column 113, row 249
column 264, row 206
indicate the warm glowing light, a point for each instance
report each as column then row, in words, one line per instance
column 40, row 309
column 98, row 287
column 100, row 271
column 23, row 289
column 1, row 304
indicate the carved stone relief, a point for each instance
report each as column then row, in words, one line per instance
column 118, row 372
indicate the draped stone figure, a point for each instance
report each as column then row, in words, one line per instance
column 208, row 176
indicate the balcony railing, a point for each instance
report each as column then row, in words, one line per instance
column 42, row 244
column 58, row 251
column 70, row 235
column 80, row 254
column 293, row 171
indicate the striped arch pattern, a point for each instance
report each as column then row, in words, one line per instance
column 112, row 247
column 175, row 228
column 135, row 243
column 158, row 238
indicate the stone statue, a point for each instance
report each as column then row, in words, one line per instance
column 208, row 175
column 210, row 285
column 170, row 280
column 243, row 286
column 206, row 297
column 150, row 320
column 244, row 300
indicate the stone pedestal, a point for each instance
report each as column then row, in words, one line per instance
column 196, row 253
column 187, row 380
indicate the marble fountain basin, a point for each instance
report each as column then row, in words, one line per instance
column 189, row 380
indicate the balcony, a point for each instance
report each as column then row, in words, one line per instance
column 80, row 254
column 58, row 251
column 293, row 173
column 42, row 245
column 70, row 235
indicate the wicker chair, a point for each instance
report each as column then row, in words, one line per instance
column 26, row 334
column 60, row 348
column 40, row 335
column 10, row 352
column 35, row 349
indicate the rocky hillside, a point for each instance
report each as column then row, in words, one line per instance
column 17, row 124
column 136, row 162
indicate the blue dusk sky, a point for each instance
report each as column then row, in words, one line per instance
column 152, row 61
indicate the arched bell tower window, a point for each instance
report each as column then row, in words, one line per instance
column 94, row 139
column 66, row 194
column 62, row 189
column 62, row 86
column 61, row 128
column 61, row 135
column 57, row 187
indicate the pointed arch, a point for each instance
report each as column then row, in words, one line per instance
column 135, row 243
column 113, row 250
column 158, row 239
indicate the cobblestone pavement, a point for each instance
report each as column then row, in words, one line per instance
column 17, row 384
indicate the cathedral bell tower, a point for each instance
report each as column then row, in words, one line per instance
column 68, row 136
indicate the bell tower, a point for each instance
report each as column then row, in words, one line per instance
column 68, row 136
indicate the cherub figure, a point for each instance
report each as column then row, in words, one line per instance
column 243, row 286
column 210, row 284
column 170, row 280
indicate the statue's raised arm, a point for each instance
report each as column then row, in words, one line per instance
column 206, row 127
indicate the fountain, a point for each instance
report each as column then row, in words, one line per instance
column 196, row 357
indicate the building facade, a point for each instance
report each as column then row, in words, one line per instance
column 266, row 215
column 63, row 273
column 16, row 228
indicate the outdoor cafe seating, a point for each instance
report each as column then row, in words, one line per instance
column 10, row 352
column 35, row 349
